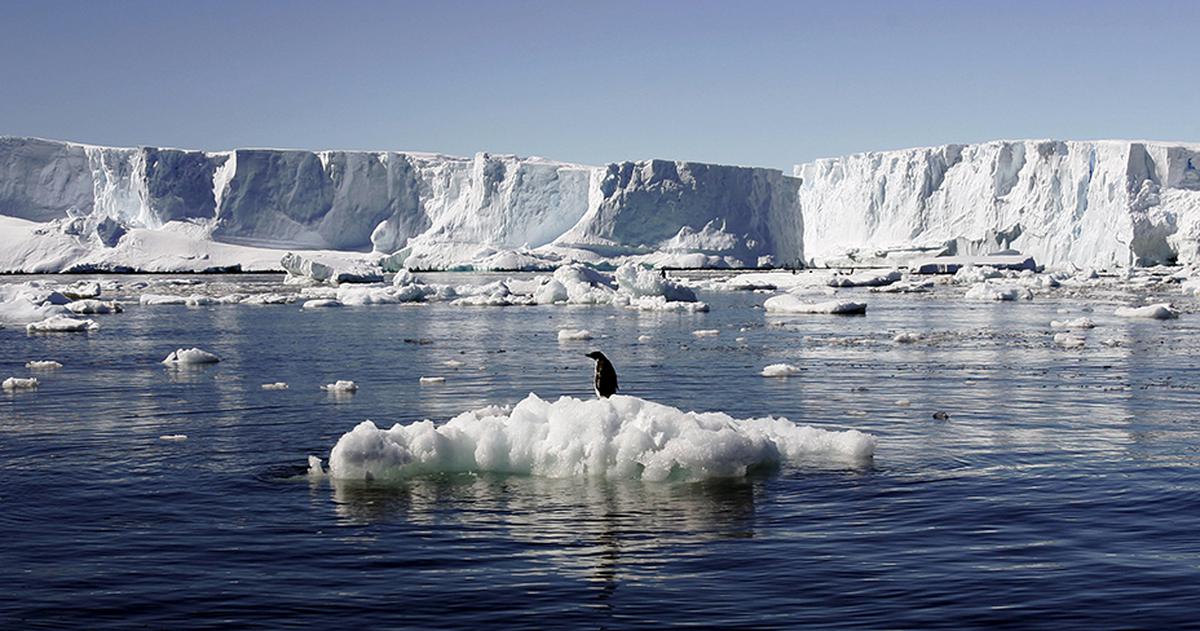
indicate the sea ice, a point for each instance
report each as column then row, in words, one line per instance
column 340, row 386
column 1069, row 340
column 432, row 380
column 1159, row 311
column 780, row 370
column 906, row 337
column 866, row 279
column 190, row 356
column 790, row 303
column 61, row 324
column 92, row 306
column 43, row 365
column 1077, row 323
column 278, row 385
column 618, row 437
column 568, row 335
column 161, row 299
column 990, row 291
column 19, row 383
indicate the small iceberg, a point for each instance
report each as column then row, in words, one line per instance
column 570, row 335
column 278, row 385
column 621, row 437
column 341, row 386
column 780, row 370
column 61, row 324
column 47, row 364
column 13, row 384
column 432, row 380
column 190, row 356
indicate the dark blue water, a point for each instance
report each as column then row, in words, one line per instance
column 1063, row 490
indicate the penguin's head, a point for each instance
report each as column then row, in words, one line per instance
column 596, row 355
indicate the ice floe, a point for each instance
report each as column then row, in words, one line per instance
column 19, row 383
column 187, row 356
column 341, row 386
column 618, row 437
column 46, row 364
column 62, row 324
column 568, row 335
column 278, row 385
column 780, row 370
column 1158, row 311
column 790, row 303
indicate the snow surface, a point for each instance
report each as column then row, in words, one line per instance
column 618, row 437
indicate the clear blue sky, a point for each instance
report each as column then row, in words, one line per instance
column 756, row 83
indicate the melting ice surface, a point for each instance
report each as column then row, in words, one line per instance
column 620, row 437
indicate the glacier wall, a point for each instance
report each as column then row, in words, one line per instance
column 388, row 201
column 1088, row 204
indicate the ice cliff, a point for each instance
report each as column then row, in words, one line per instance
column 441, row 211
column 1090, row 204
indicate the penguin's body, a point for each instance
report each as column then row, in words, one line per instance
column 606, row 376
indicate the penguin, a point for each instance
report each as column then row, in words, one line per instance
column 606, row 375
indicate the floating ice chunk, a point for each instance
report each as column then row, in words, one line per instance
column 161, row 299
column 173, row 438
column 93, row 306
column 903, row 402
column 432, row 380
column 232, row 299
column 644, row 338
column 1068, row 340
column 340, row 386
column 43, row 365
column 706, row 332
column 866, row 279
column 454, row 363
column 1159, row 311
column 909, row 287
column 13, row 384
column 81, row 290
column 789, row 303
column 659, row 303
column 278, row 385
column 314, row 468
column 322, row 303
column 568, row 335
column 190, row 356
column 636, row 281
column 61, row 324
column 1077, row 323
column 989, row 291
column 199, row 300
column 906, row 337
column 972, row 274
column 270, row 299
column 618, row 437
column 780, row 370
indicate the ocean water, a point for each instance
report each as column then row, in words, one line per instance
column 1062, row 491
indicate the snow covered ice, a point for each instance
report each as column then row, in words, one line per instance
column 341, row 386
column 1160, row 311
column 619, row 437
